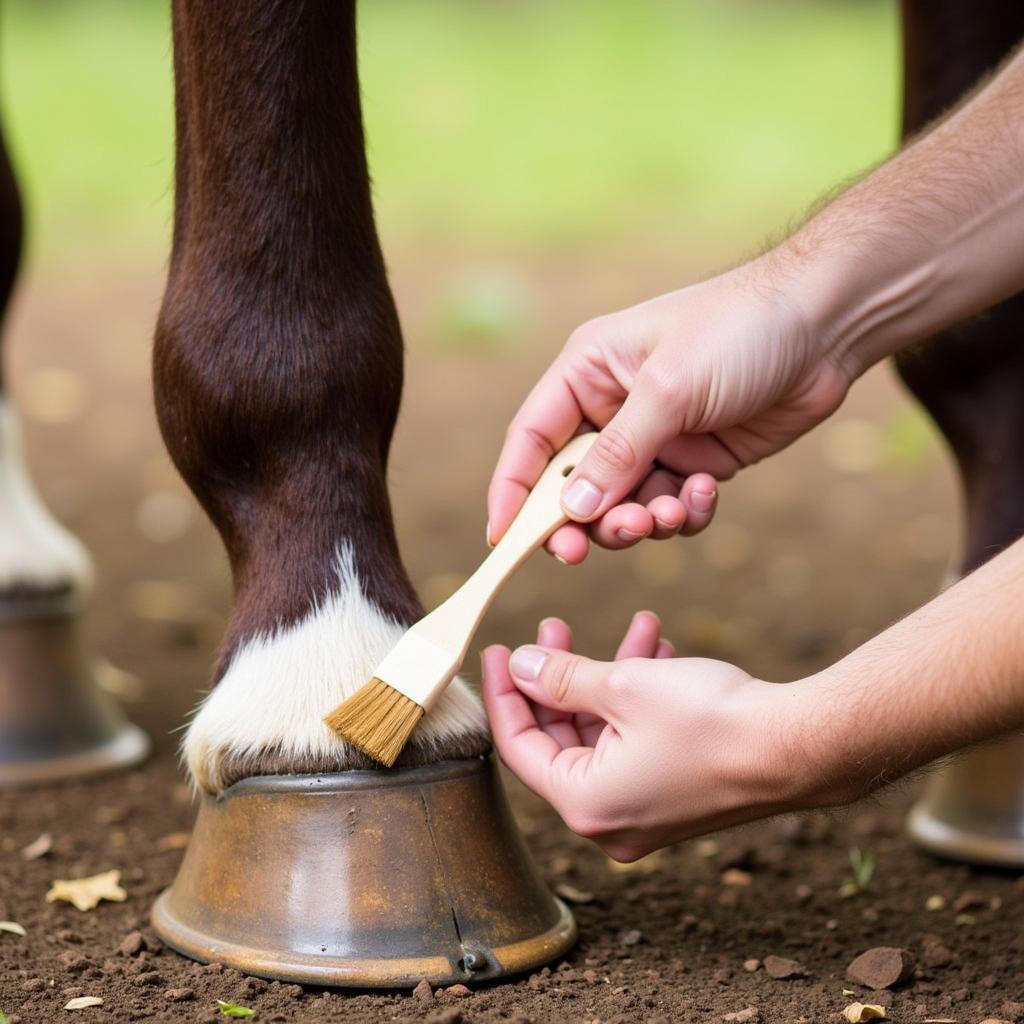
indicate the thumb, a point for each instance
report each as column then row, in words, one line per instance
column 623, row 453
column 560, row 680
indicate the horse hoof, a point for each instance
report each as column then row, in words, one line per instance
column 972, row 808
column 55, row 721
column 364, row 879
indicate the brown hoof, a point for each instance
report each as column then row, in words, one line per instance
column 55, row 721
column 972, row 808
column 364, row 879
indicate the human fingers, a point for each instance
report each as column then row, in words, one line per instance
column 642, row 636
column 660, row 494
column 700, row 496
column 623, row 452
column 530, row 753
column 559, row 680
column 545, row 422
column 569, row 544
column 553, row 632
column 622, row 527
column 560, row 725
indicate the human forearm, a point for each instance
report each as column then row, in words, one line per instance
column 929, row 238
column 948, row 675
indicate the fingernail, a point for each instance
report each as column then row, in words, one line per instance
column 581, row 497
column 487, row 534
column 526, row 662
column 559, row 558
column 703, row 501
column 628, row 535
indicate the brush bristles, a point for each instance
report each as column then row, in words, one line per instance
column 377, row 719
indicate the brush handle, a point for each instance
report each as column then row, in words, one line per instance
column 452, row 624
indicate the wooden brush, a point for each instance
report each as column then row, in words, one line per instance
column 380, row 716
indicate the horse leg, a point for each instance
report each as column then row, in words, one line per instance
column 278, row 373
column 37, row 555
column 55, row 722
column 970, row 378
column 971, row 381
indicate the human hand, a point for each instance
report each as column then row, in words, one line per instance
column 649, row 749
column 685, row 389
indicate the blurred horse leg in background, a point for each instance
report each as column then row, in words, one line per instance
column 278, row 374
column 971, row 380
column 54, row 720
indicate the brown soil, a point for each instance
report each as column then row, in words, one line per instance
column 810, row 555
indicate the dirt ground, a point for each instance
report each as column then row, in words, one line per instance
column 811, row 554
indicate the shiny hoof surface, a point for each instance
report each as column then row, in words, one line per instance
column 55, row 721
column 972, row 808
column 364, row 879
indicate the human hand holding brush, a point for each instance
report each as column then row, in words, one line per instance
column 688, row 388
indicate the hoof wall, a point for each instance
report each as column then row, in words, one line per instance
column 55, row 721
column 972, row 808
column 364, row 879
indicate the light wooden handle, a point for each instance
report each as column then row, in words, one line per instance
column 539, row 517
column 453, row 623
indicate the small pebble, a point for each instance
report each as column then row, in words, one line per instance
column 751, row 965
column 132, row 944
column 882, row 967
column 744, row 1016
column 783, row 968
column 423, row 992
column 179, row 995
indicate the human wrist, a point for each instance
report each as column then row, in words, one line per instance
column 778, row 763
column 862, row 291
column 804, row 724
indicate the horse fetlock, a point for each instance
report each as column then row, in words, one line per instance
column 37, row 555
column 265, row 715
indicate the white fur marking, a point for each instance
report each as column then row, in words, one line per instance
column 35, row 550
column 278, row 687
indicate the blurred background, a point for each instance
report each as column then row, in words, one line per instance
column 536, row 163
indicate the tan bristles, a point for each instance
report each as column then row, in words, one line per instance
column 377, row 719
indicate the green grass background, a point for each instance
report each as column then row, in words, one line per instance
column 508, row 124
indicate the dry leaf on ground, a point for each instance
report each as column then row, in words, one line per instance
column 83, row 1002
column 86, row 893
column 855, row 1013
